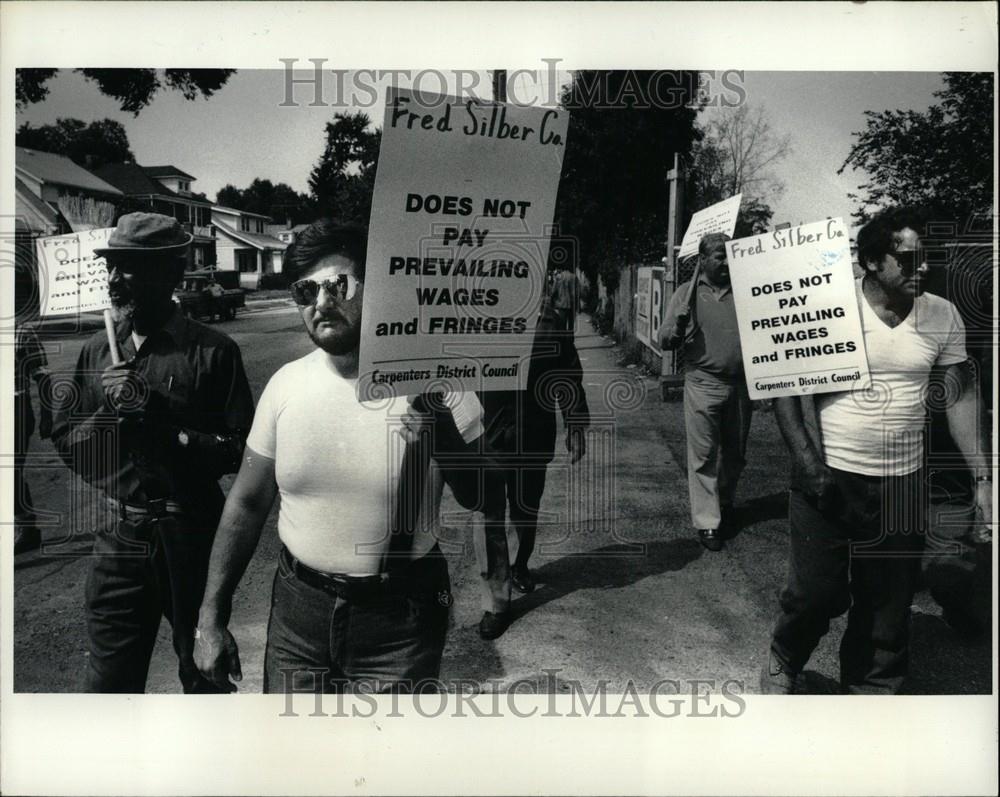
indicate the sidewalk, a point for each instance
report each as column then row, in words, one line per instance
column 625, row 590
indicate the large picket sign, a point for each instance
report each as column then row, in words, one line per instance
column 458, row 243
column 797, row 308
column 71, row 279
column 720, row 217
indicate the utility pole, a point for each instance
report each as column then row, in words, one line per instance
column 500, row 85
column 675, row 216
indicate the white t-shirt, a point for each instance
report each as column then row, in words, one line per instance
column 337, row 465
column 879, row 431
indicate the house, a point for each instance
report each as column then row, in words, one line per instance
column 243, row 244
column 166, row 190
column 50, row 190
column 284, row 232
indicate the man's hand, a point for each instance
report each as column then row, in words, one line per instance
column 217, row 656
column 671, row 337
column 817, row 480
column 413, row 422
column 576, row 444
column 983, row 532
column 124, row 388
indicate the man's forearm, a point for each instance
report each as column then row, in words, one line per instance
column 967, row 431
column 234, row 546
column 788, row 414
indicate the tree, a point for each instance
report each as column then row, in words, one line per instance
column 133, row 88
column 623, row 133
column 88, row 145
column 941, row 159
column 343, row 180
column 281, row 202
column 737, row 154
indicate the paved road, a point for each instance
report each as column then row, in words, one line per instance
column 625, row 591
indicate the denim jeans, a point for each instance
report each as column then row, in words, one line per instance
column 393, row 640
column 861, row 553
column 145, row 570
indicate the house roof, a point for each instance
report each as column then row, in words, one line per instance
column 240, row 212
column 132, row 179
column 255, row 239
column 31, row 208
column 48, row 167
column 166, row 171
column 274, row 229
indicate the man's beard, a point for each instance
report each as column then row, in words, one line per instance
column 123, row 309
column 344, row 342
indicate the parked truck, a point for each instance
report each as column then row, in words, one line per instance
column 208, row 294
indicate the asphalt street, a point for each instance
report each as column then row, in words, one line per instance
column 625, row 591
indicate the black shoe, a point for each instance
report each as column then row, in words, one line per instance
column 963, row 622
column 493, row 625
column 775, row 679
column 711, row 539
column 27, row 539
column 521, row 578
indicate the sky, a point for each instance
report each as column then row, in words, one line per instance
column 243, row 132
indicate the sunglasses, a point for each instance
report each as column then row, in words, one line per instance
column 909, row 261
column 341, row 288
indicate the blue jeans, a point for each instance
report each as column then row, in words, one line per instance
column 861, row 553
column 318, row 641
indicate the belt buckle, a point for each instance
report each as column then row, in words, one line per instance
column 157, row 507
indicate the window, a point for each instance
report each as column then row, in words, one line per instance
column 260, row 225
column 245, row 223
column 246, row 260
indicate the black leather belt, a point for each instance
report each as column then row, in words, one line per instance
column 348, row 587
column 155, row 508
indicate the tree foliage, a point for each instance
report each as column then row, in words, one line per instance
column 623, row 133
column 88, row 145
column 279, row 201
column 941, row 159
column 737, row 154
column 133, row 88
column 343, row 180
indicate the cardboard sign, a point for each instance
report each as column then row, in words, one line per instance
column 71, row 279
column 649, row 306
column 720, row 217
column 459, row 239
column 643, row 292
column 797, row 309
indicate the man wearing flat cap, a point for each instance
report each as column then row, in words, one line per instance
column 152, row 419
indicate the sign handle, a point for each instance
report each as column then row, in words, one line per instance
column 109, row 328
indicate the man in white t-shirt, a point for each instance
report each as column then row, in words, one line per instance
column 859, row 494
column 361, row 593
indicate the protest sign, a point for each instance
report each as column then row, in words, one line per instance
column 797, row 309
column 720, row 217
column 71, row 279
column 458, row 243
column 649, row 306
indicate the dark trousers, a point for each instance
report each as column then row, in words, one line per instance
column 520, row 487
column 24, row 427
column 859, row 553
column 949, row 561
column 147, row 569
column 319, row 641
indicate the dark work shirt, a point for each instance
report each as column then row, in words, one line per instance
column 712, row 343
column 194, row 382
